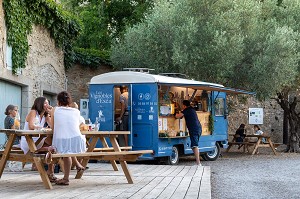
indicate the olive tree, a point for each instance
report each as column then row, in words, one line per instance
column 247, row 44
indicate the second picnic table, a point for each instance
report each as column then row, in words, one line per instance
column 257, row 144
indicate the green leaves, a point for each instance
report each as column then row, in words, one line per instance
column 20, row 15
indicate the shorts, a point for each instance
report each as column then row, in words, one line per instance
column 194, row 139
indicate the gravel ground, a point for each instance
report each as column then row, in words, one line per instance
column 240, row 175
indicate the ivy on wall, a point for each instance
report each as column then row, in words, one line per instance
column 20, row 15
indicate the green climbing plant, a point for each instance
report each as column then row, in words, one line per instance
column 21, row 15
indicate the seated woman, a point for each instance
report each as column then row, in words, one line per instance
column 11, row 112
column 240, row 133
column 67, row 138
column 36, row 119
column 259, row 132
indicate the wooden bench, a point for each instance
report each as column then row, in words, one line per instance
column 122, row 155
column 123, row 148
column 274, row 144
column 240, row 144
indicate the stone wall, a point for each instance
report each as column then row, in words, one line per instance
column 44, row 72
column 238, row 113
column 79, row 77
column 45, row 62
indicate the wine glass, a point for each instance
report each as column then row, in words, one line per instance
column 36, row 123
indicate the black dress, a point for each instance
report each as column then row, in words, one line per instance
column 242, row 135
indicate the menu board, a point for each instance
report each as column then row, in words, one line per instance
column 256, row 116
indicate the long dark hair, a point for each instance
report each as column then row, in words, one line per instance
column 242, row 126
column 64, row 98
column 38, row 105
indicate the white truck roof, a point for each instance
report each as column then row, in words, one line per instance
column 130, row 77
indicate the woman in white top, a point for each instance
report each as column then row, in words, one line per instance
column 67, row 138
column 36, row 118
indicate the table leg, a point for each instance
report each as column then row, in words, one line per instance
column 271, row 145
column 6, row 152
column 85, row 161
column 39, row 164
column 229, row 146
column 256, row 145
column 113, row 162
column 127, row 173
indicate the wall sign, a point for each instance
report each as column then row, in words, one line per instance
column 256, row 116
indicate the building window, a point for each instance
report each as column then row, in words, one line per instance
column 8, row 57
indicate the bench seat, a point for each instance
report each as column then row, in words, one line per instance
column 123, row 148
column 120, row 156
column 274, row 144
column 239, row 143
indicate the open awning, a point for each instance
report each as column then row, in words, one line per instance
column 212, row 88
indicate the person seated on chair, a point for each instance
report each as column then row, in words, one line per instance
column 240, row 133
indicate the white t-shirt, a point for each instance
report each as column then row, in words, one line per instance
column 259, row 132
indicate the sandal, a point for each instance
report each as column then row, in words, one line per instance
column 52, row 177
column 62, row 182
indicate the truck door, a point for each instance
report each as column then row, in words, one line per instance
column 218, row 110
column 144, row 116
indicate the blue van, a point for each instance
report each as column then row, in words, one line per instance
column 152, row 101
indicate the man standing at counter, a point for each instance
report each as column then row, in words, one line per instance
column 193, row 125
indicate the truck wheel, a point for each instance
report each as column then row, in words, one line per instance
column 174, row 158
column 212, row 155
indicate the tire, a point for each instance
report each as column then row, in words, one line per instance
column 212, row 155
column 174, row 158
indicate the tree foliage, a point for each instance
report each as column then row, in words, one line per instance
column 104, row 20
column 248, row 44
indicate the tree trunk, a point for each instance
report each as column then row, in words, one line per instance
column 294, row 137
column 293, row 118
column 285, row 128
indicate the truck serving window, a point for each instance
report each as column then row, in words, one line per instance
column 219, row 107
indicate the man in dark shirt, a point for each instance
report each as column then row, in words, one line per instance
column 193, row 125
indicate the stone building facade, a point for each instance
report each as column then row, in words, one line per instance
column 44, row 74
column 79, row 77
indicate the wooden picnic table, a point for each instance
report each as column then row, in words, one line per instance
column 93, row 136
column 257, row 144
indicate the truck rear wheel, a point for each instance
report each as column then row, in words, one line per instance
column 174, row 158
column 212, row 155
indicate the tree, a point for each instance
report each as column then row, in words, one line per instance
column 248, row 44
column 104, row 20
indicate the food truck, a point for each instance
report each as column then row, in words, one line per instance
column 152, row 102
